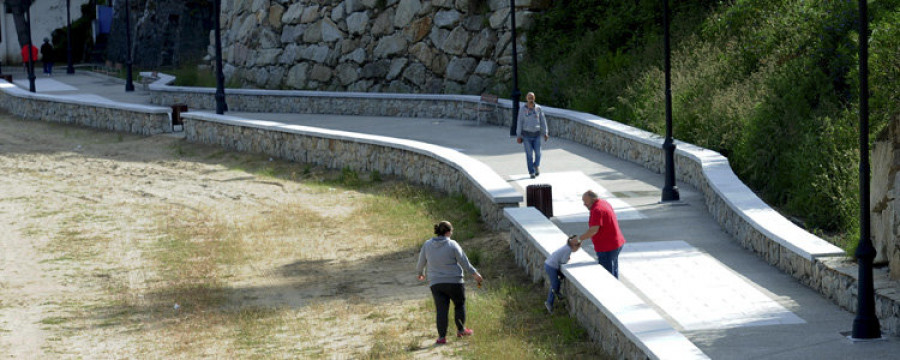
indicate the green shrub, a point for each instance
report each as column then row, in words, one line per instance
column 771, row 84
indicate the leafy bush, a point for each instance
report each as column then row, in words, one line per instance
column 771, row 84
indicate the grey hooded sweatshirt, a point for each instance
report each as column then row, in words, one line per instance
column 443, row 256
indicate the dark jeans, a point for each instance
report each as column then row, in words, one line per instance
column 610, row 260
column 553, row 274
column 48, row 67
column 443, row 294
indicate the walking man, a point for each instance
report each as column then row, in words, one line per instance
column 532, row 126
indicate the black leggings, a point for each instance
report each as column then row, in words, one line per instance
column 442, row 294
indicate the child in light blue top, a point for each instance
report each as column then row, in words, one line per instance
column 554, row 263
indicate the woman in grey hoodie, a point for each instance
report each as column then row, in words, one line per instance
column 445, row 260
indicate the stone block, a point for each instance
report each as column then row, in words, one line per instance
column 406, row 10
column 482, row 44
column 292, row 33
column 446, row 19
column 293, row 14
column 422, row 52
column 456, row 41
column 347, row 73
column 459, row 69
column 310, row 14
column 416, row 31
column 415, row 73
column 384, row 23
column 390, row 45
column 378, row 69
column 397, row 65
column 276, row 12
column 338, row 13
column 357, row 56
column 297, row 76
column 357, row 23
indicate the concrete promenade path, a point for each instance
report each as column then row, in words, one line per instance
column 725, row 299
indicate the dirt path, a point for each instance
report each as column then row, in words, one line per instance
column 103, row 234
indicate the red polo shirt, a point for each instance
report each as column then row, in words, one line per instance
column 609, row 237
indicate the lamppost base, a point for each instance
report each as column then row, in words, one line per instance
column 670, row 194
column 855, row 340
column 849, row 336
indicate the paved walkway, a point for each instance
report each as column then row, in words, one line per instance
column 724, row 298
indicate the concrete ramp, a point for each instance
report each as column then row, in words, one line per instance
column 695, row 290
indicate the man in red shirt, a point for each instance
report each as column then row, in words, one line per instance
column 603, row 230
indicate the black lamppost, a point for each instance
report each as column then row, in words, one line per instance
column 129, row 82
column 69, row 68
column 221, row 106
column 515, row 71
column 670, row 191
column 865, row 325
column 29, row 52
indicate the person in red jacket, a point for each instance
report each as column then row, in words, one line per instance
column 603, row 230
column 25, row 58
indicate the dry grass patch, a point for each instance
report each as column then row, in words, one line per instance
column 264, row 258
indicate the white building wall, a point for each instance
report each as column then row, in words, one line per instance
column 46, row 15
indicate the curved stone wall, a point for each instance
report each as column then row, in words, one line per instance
column 416, row 162
column 405, row 46
column 73, row 109
column 756, row 226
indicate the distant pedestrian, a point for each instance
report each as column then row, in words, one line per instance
column 445, row 260
column 47, row 56
column 553, row 265
column 26, row 59
column 603, row 230
column 531, row 127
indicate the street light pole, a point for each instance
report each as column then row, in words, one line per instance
column 129, row 82
column 69, row 68
column 515, row 71
column 221, row 106
column 29, row 52
column 865, row 325
column 670, row 191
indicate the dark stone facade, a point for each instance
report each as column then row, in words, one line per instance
column 163, row 32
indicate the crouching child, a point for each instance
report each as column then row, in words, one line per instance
column 552, row 267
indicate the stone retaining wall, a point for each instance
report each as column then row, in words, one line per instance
column 136, row 119
column 397, row 46
column 884, row 199
column 321, row 102
column 415, row 162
